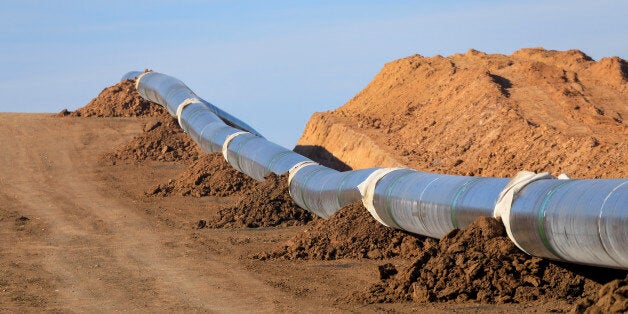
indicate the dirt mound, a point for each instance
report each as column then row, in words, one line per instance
column 264, row 204
column 210, row 175
column 119, row 100
column 483, row 114
column 610, row 298
column 351, row 232
column 161, row 140
column 481, row 264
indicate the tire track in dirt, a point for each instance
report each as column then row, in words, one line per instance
column 100, row 253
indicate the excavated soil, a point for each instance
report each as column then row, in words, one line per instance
column 210, row 175
column 351, row 232
column 161, row 140
column 485, row 115
column 119, row 100
column 481, row 264
column 265, row 204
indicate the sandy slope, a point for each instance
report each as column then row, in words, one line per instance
column 485, row 115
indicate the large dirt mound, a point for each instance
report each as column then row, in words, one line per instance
column 119, row 100
column 264, row 204
column 210, row 175
column 488, row 115
column 161, row 140
column 482, row 264
column 351, row 232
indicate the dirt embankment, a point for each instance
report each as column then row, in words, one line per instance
column 210, row 175
column 486, row 115
column 264, row 204
column 481, row 264
column 351, row 232
column 160, row 140
column 119, row 100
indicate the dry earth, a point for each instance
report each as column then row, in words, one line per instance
column 78, row 234
column 484, row 115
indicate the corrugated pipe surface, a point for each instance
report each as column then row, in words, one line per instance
column 580, row 221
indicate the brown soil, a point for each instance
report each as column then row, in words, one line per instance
column 351, row 232
column 119, row 100
column 265, row 204
column 82, row 235
column 161, row 140
column 210, row 175
column 610, row 298
column 481, row 264
column 485, row 115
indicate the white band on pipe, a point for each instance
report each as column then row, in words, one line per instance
column 510, row 193
column 300, row 165
column 225, row 145
column 367, row 189
column 137, row 81
column 182, row 105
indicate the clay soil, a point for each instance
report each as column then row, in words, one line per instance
column 484, row 115
column 352, row 233
column 119, row 100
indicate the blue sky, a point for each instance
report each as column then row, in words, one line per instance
column 270, row 63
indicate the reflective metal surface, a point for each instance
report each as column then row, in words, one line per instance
column 170, row 93
column 434, row 204
column 581, row 221
column 258, row 157
column 323, row 191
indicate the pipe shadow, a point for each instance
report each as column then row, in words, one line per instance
column 322, row 156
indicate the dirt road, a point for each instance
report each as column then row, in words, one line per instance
column 88, row 251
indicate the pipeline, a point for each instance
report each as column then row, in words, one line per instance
column 578, row 221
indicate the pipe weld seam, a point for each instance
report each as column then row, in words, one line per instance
column 457, row 196
column 509, row 194
column 225, row 145
column 599, row 224
column 341, row 187
column 182, row 105
column 300, row 165
column 367, row 190
column 276, row 158
column 389, row 193
column 308, row 176
column 541, row 220
column 137, row 83
column 238, row 154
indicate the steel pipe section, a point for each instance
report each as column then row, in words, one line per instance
column 324, row 191
column 171, row 93
column 580, row 221
column 258, row 157
column 431, row 204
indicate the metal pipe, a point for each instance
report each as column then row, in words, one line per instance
column 580, row 221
